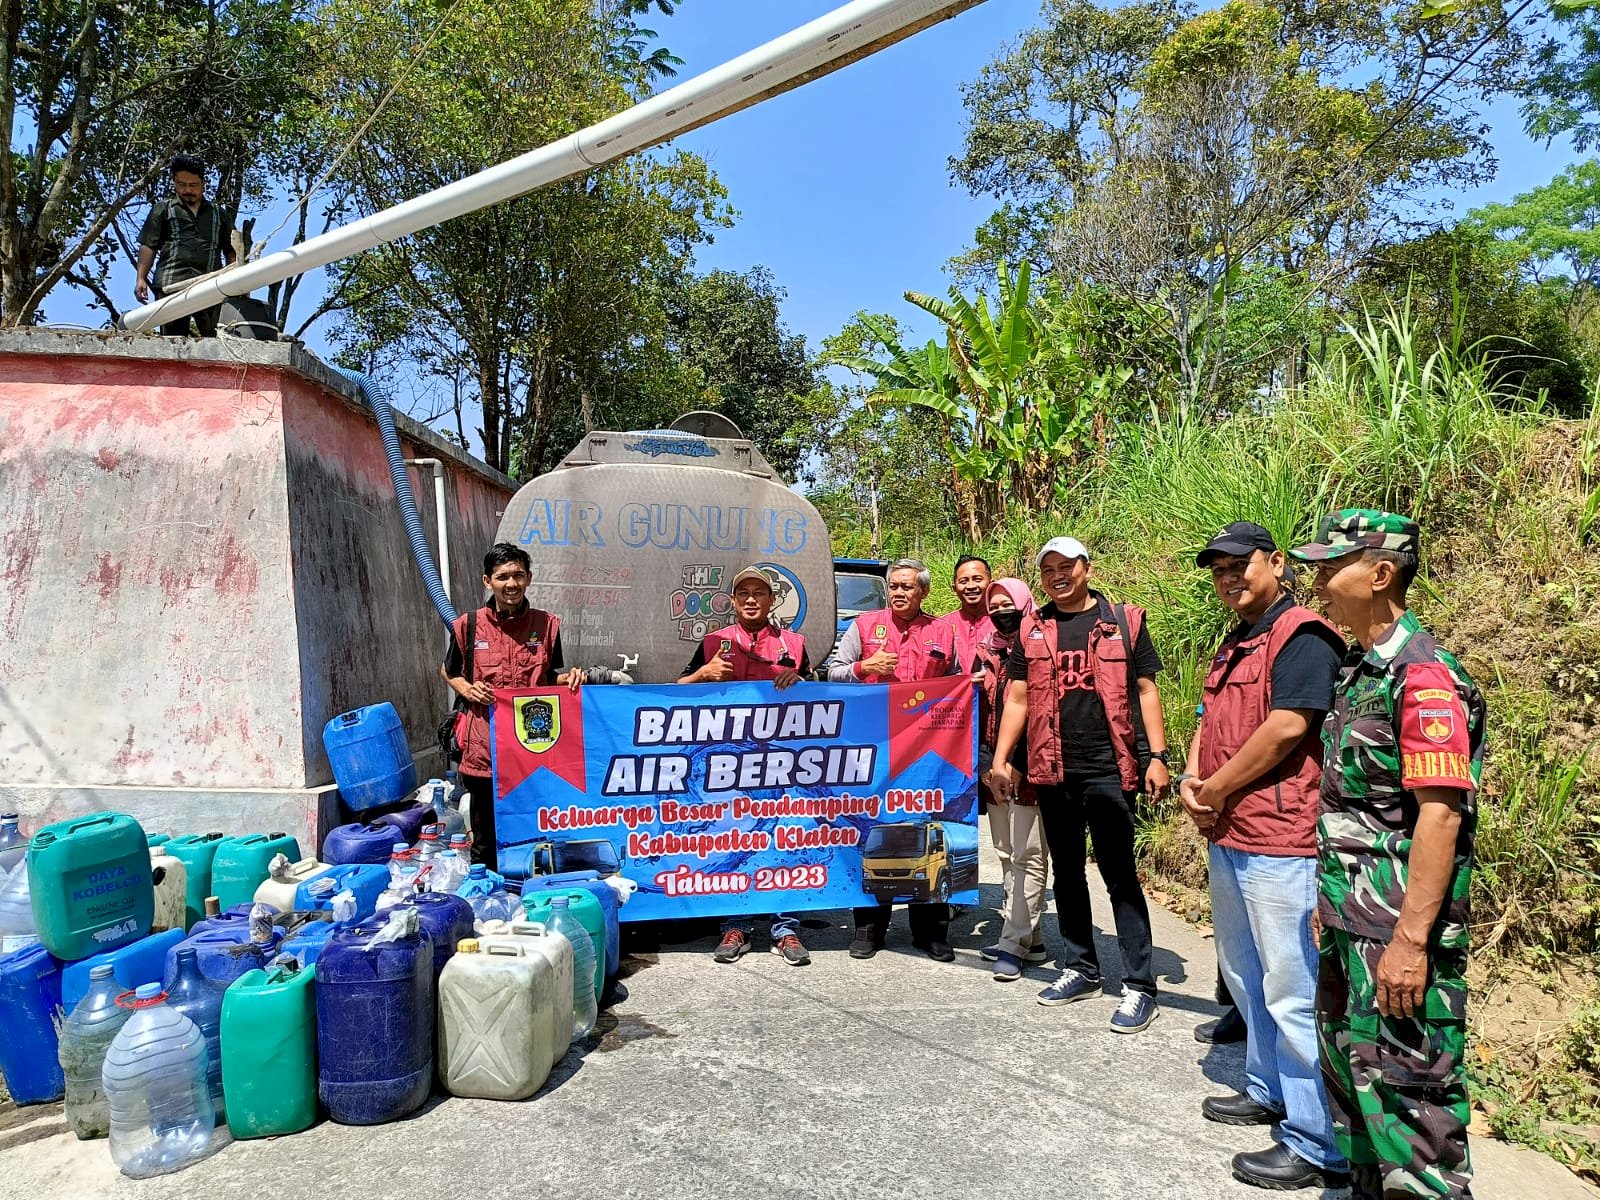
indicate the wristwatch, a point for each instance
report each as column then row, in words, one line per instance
column 1160, row 756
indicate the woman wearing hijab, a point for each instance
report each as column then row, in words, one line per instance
column 1014, row 826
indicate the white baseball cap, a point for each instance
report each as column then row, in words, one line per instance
column 1065, row 546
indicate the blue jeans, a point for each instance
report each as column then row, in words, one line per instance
column 783, row 924
column 1260, row 906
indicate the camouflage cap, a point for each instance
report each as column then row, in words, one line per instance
column 1353, row 529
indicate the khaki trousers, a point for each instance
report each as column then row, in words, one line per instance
column 1018, row 837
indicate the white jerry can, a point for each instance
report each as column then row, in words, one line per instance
column 558, row 952
column 171, row 879
column 495, row 999
column 283, row 878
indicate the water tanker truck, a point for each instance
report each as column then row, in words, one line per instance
column 635, row 536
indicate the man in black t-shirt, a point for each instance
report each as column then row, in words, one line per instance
column 1074, row 657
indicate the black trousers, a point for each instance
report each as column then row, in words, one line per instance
column 929, row 922
column 1099, row 807
column 480, row 795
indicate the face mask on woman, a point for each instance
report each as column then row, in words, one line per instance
column 1007, row 621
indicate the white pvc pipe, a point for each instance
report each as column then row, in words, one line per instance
column 438, row 517
column 834, row 40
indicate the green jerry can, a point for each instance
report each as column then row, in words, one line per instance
column 582, row 902
column 90, row 886
column 269, row 1051
column 243, row 863
column 196, row 852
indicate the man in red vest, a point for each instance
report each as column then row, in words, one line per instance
column 514, row 645
column 1250, row 783
column 1083, row 689
column 899, row 643
column 971, row 621
column 753, row 647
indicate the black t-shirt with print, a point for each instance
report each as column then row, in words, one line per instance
column 1086, row 749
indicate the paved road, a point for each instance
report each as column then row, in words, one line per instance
column 898, row 1077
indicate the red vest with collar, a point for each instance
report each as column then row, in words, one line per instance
column 754, row 657
column 926, row 646
column 511, row 652
column 1047, row 687
column 1277, row 813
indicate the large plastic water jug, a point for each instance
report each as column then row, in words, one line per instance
column 224, row 954
column 86, row 1035
column 30, row 1004
column 269, row 1051
column 407, row 822
column 558, row 917
column 282, row 884
column 196, row 851
column 200, row 999
column 446, row 811
column 162, row 1118
column 13, row 843
column 365, row 881
column 17, row 928
column 556, row 951
column 362, row 842
column 370, row 758
column 446, row 919
column 307, row 942
column 583, row 906
column 495, row 1003
column 489, row 899
column 601, row 891
column 171, row 880
column 242, row 863
column 375, row 1010
column 143, row 961
column 90, row 884
column 236, row 917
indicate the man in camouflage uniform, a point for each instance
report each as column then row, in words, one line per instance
column 1403, row 751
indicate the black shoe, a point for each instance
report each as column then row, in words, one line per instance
column 1282, row 1170
column 936, row 950
column 1238, row 1110
column 1225, row 1030
column 864, row 945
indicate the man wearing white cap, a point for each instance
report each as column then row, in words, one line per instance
column 1083, row 689
column 753, row 647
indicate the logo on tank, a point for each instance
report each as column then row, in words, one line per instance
column 788, row 596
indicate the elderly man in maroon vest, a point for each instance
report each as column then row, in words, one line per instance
column 513, row 645
column 899, row 643
column 1083, row 687
column 753, row 647
column 1250, row 783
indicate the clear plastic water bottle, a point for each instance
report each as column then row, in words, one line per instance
column 13, row 843
column 200, row 999
column 565, row 922
column 448, row 872
column 489, row 899
column 154, row 1079
column 447, row 814
column 86, row 1035
column 399, row 856
column 428, row 843
column 16, row 912
column 462, row 844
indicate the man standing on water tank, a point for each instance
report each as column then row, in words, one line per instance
column 514, row 645
column 185, row 236
column 899, row 643
column 753, row 647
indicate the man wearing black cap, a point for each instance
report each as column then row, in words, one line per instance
column 1250, row 784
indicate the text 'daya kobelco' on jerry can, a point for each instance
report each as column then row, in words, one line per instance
column 90, row 883
column 636, row 537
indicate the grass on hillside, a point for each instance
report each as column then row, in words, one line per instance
column 1509, row 502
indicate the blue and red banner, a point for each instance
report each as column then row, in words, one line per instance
column 726, row 799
